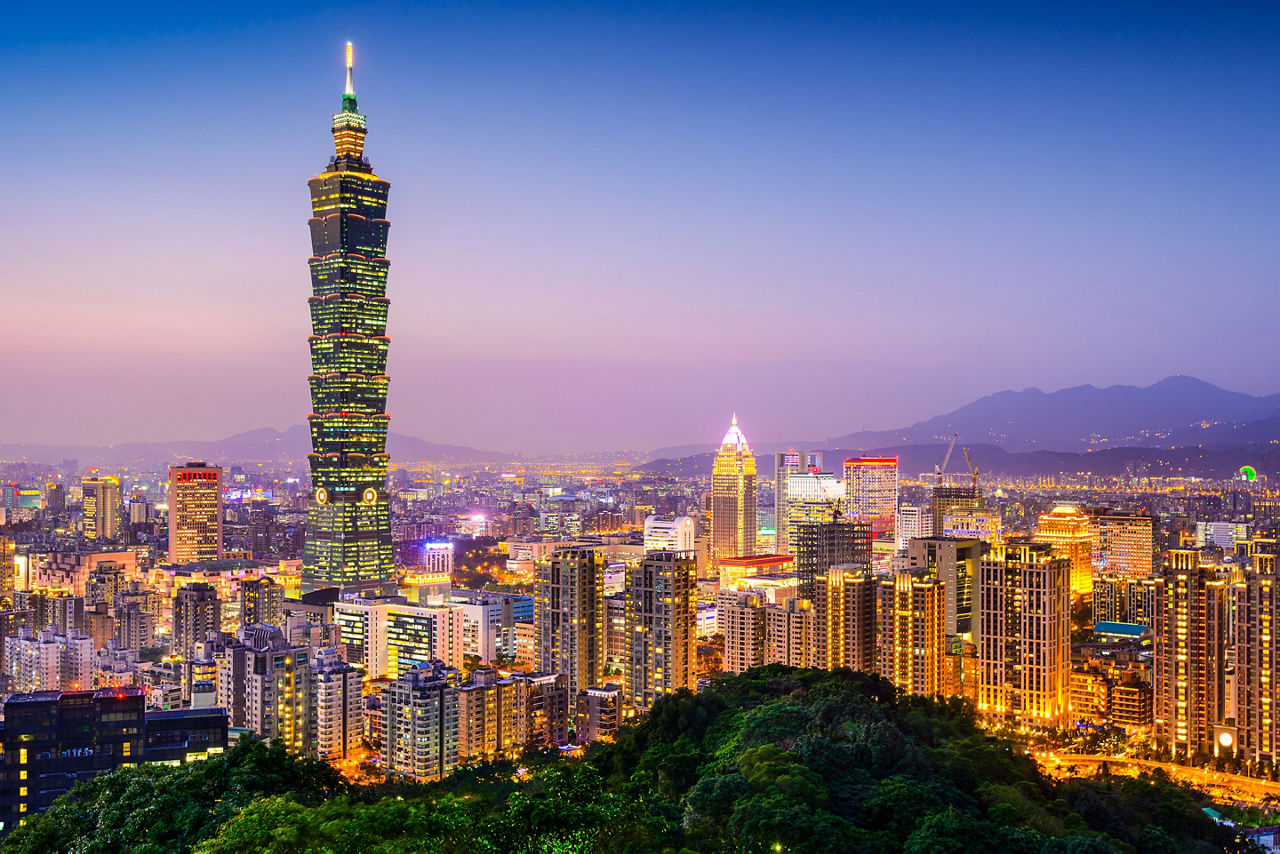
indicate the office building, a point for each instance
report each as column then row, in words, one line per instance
column 569, row 612
column 101, row 506
column 661, row 596
column 195, row 513
column 1070, row 532
column 733, row 498
column 1023, row 634
column 348, row 543
column 947, row 500
column 1124, row 544
column 871, row 492
column 54, row 739
column 785, row 464
column 913, row 522
column 670, row 535
column 954, row 562
column 811, row 496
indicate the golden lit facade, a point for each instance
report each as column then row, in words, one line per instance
column 913, row 637
column 661, row 624
column 569, row 612
column 791, row 634
column 1124, row 544
column 101, row 505
column 348, row 520
column 1190, row 654
column 1023, row 635
column 1256, row 612
column 871, row 492
column 1070, row 533
column 733, row 497
column 195, row 513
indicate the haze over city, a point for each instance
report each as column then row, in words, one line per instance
column 598, row 208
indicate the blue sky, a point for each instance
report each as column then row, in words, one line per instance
column 615, row 224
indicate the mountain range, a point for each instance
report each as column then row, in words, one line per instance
column 1178, row 426
column 262, row 445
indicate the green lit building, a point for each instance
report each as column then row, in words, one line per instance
column 348, row 522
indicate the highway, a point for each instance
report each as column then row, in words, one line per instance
column 1231, row 787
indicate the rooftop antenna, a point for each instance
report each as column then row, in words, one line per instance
column 351, row 55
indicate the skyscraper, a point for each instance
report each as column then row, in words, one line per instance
column 949, row 498
column 1023, row 633
column 871, row 492
column 569, row 612
column 348, row 520
column 733, row 497
column 101, row 507
column 662, row 598
column 912, row 643
column 785, row 464
column 1124, row 543
column 1190, row 654
column 195, row 512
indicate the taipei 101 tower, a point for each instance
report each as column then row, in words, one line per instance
column 348, row 520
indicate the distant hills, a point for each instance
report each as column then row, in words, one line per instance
column 262, row 445
column 1180, row 425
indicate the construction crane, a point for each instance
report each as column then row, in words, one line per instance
column 939, row 471
column 973, row 470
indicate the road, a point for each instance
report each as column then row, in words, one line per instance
column 1231, row 787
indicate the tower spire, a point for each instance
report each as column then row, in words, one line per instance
column 351, row 89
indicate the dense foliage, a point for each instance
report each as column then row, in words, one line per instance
column 773, row 760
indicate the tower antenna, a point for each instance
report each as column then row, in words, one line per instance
column 351, row 55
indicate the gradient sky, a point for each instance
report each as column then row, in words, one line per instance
column 613, row 224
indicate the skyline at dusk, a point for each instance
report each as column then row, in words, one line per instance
column 869, row 217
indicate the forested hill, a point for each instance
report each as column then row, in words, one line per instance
column 773, row 760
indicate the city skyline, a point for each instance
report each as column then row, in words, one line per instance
column 569, row 181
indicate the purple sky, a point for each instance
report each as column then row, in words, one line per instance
column 612, row 228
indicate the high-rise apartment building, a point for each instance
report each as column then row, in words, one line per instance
column 197, row 610
column 264, row 683
column 1190, row 650
column 348, row 542
column 791, row 634
column 661, row 622
column 1255, row 610
column 49, row 660
column 741, row 621
column 1023, row 635
column 101, row 505
column 871, row 492
column 569, row 612
column 733, row 497
column 913, row 632
column 420, row 723
column 195, row 512
column 670, row 535
column 1069, row 530
column 261, row 601
column 336, row 707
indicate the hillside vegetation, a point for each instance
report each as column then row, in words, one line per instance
column 777, row 759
